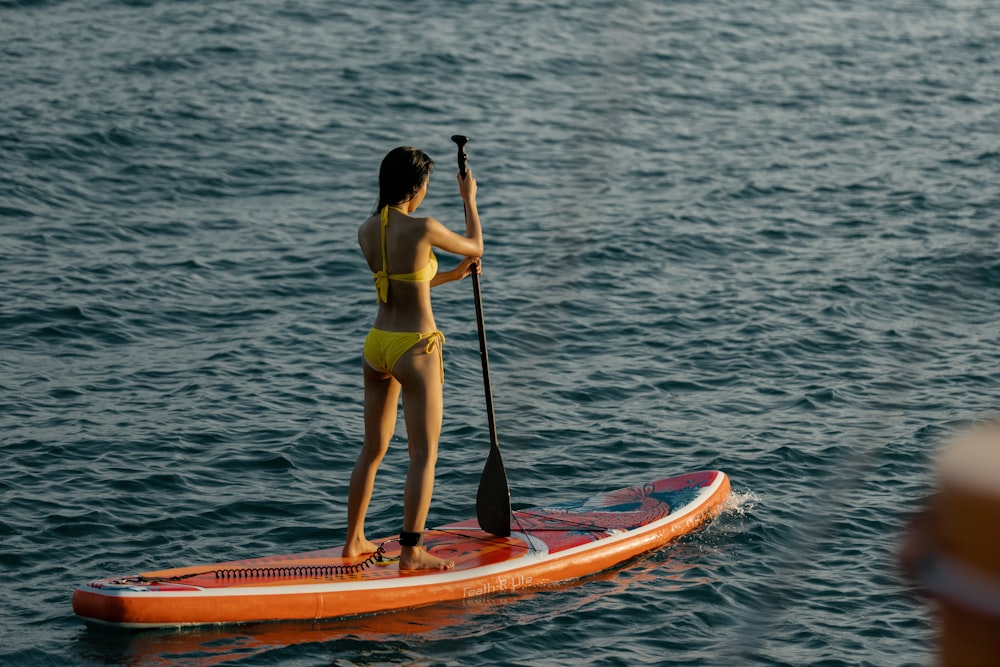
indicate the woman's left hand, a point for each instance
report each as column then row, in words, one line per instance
column 467, row 266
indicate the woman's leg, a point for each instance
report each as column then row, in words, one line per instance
column 381, row 401
column 423, row 405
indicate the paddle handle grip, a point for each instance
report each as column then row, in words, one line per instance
column 463, row 157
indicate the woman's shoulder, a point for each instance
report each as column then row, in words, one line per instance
column 363, row 227
column 369, row 221
column 428, row 224
column 367, row 231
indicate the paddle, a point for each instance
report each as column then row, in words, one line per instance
column 493, row 496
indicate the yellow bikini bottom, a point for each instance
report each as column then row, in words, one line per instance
column 384, row 348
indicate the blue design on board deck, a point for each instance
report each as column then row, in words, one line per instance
column 672, row 498
column 677, row 497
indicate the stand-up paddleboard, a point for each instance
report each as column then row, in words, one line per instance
column 546, row 545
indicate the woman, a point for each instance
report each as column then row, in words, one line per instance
column 402, row 351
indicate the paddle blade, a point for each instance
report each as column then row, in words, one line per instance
column 493, row 497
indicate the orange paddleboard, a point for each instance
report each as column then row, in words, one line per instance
column 547, row 544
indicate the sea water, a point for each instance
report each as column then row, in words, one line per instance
column 758, row 236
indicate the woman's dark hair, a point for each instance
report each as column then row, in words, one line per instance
column 403, row 172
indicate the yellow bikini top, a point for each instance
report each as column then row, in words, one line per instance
column 383, row 277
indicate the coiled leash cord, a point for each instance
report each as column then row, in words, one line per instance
column 287, row 571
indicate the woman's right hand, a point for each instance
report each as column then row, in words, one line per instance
column 467, row 186
column 467, row 266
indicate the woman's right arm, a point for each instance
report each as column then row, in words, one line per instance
column 470, row 245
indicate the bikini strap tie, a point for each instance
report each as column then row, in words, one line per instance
column 382, row 277
column 434, row 340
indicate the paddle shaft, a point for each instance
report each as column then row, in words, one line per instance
column 493, row 495
column 481, row 323
column 463, row 169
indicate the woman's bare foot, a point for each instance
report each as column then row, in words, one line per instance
column 418, row 558
column 359, row 547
